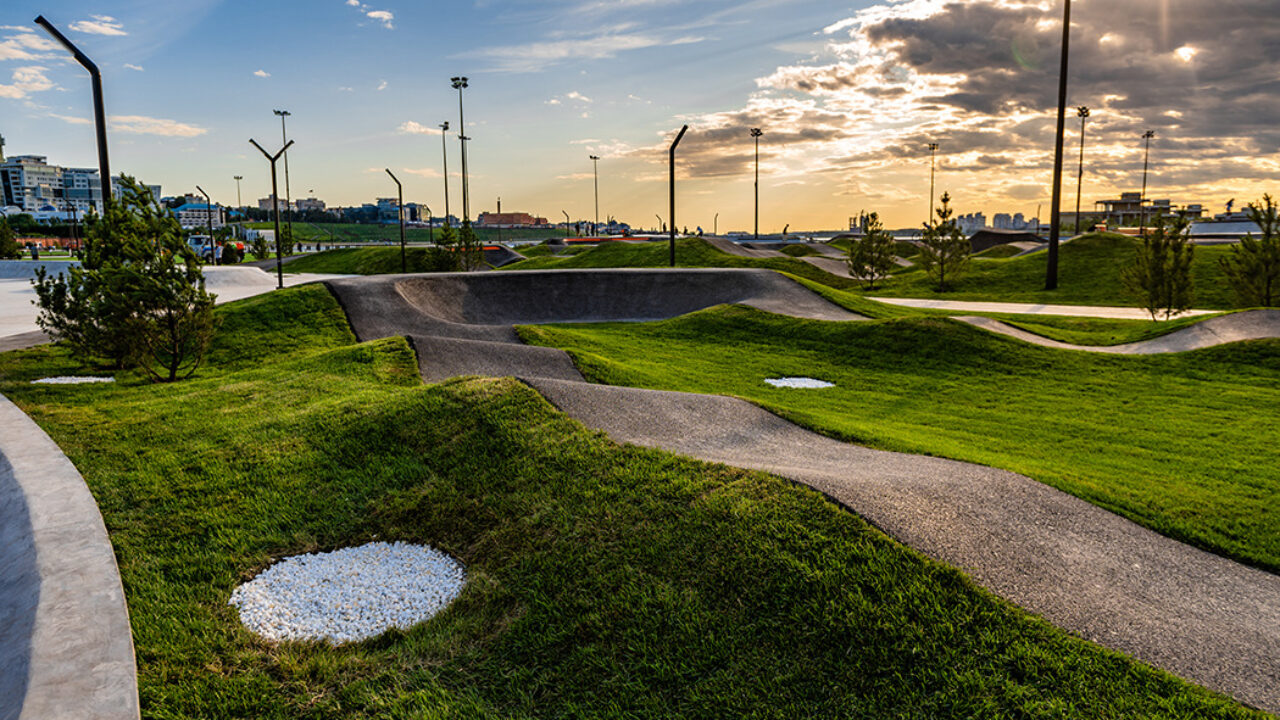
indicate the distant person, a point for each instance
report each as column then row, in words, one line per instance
column 699, row 231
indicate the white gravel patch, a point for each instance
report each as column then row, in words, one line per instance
column 349, row 594
column 72, row 380
column 798, row 382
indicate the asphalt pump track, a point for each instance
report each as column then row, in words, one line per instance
column 1082, row 568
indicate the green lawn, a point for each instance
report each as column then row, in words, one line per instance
column 604, row 581
column 354, row 233
column 1184, row 444
column 362, row 261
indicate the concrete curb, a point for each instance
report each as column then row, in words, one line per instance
column 66, row 648
column 1235, row 327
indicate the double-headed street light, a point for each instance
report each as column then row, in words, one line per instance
column 595, row 172
column 1142, row 202
column 755, row 134
column 275, row 201
column 459, row 83
column 1083, row 113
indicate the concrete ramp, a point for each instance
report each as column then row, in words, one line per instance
column 485, row 306
column 1248, row 325
column 733, row 248
column 441, row 358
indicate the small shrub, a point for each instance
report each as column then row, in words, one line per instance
column 1160, row 275
column 871, row 256
column 945, row 254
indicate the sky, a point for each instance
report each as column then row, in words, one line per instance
column 848, row 96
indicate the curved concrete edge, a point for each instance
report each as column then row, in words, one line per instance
column 22, row 341
column 78, row 656
column 1218, row 330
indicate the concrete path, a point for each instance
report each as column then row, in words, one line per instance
column 1203, row 617
column 66, row 650
column 1115, row 313
column 733, row 248
column 1235, row 327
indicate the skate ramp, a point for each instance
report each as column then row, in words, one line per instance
column 1219, row 330
column 733, row 248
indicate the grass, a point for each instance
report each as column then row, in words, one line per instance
column 1183, row 444
column 356, row 233
column 362, row 261
column 604, row 581
column 690, row 252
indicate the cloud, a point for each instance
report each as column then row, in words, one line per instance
column 423, row 172
column 131, row 66
column 382, row 85
column 143, row 125
column 99, row 25
column 383, row 16
column 25, row 45
column 26, row 80
column 412, row 127
column 532, row 57
column 575, row 95
column 344, row 88
column 262, row 73
column 71, row 119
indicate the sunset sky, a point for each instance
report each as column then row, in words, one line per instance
column 848, row 96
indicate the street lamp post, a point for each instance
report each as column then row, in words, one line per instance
column 404, row 265
column 288, row 196
column 99, row 111
column 715, row 225
column 755, row 134
column 444, row 157
column 1142, row 202
column 1055, row 211
column 1083, row 113
column 275, row 202
column 208, row 216
column 595, row 172
column 933, row 151
column 671, row 186
column 567, row 223
column 239, row 207
column 460, row 83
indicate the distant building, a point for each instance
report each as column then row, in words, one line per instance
column 972, row 222
column 193, row 215
column 510, row 219
column 1129, row 209
column 305, row 204
column 265, row 204
column 29, row 182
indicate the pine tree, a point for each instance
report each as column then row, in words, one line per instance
column 871, row 256
column 945, row 255
column 1160, row 275
column 9, row 247
column 1253, row 267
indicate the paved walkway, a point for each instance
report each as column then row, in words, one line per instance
column 1234, row 327
column 1097, row 575
column 66, row 650
column 1096, row 311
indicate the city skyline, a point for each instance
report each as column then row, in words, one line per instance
column 848, row 99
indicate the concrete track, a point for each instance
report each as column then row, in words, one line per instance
column 1235, row 327
column 1089, row 571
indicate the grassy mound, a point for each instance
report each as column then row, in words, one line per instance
column 690, row 252
column 354, row 233
column 997, row 252
column 1174, row 442
column 363, row 261
column 603, row 581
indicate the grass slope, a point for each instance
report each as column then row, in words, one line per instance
column 355, row 233
column 361, row 261
column 605, row 581
column 1184, row 444
column 690, row 252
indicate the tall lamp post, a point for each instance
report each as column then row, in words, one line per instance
column 1083, row 113
column 1142, row 202
column 208, row 216
column 275, row 201
column 460, row 83
column 671, row 183
column 288, row 196
column 99, row 112
column 444, row 156
column 595, row 173
column 933, row 152
column 567, row 223
column 1055, row 211
column 755, row 134
column 239, row 206
column 404, row 265
column 715, row 225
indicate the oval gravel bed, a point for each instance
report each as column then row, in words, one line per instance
column 350, row 594
column 72, row 380
column 804, row 383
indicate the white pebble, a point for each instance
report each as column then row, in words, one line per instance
column 72, row 380
column 349, row 594
column 798, row 382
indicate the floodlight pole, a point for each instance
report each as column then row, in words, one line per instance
column 275, row 202
column 288, row 196
column 933, row 151
column 444, row 156
column 1055, row 210
column 208, row 216
column 755, row 134
column 239, row 206
column 671, row 175
column 99, row 112
column 567, row 223
column 595, row 172
column 404, row 265
column 460, row 83
column 1083, row 113
column 1142, row 201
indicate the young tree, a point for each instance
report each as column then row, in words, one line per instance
column 285, row 241
column 945, row 255
column 469, row 249
column 259, row 247
column 138, row 296
column 1253, row 267
column 871, row 256
column 1161, row 271
column 9, row 247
